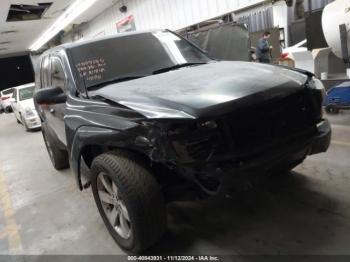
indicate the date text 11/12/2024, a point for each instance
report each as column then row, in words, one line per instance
column 173, row 258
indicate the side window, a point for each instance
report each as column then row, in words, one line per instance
column 45, row 72
column 58, row 77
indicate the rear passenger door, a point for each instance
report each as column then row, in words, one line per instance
column 57, row 111
column 52, row 75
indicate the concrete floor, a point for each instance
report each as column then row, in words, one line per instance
column 42, row 212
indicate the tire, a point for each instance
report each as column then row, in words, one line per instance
column 59, row 158
column 332, row 109
column 8, row 110
column 138, row 194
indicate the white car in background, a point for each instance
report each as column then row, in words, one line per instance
column 5, row 100
column 23, row 106
column 298, row 56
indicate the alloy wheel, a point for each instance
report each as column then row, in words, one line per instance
column 113, row 206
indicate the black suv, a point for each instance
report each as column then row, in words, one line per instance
column 155, row 120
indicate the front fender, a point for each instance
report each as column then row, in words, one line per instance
column 88, row 135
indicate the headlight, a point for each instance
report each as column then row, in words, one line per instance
column 209, row 124
column 29, row 112
column 316, row 83
column 195, row 141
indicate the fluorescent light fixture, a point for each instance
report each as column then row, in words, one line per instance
column 68, row 16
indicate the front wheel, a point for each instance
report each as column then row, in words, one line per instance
column 129, row 200
column 332, row 109
column 8, row 110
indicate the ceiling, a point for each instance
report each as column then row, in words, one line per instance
column 26, row 32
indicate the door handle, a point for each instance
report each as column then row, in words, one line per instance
column 52, row 110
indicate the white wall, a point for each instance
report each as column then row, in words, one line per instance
column 280, row 18
column 171, row 14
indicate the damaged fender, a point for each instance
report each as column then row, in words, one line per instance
column 98, row 136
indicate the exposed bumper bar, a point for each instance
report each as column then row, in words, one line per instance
column 288, row 154
column 322, row 141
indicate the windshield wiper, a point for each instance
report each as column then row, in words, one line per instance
column 114, row 81
column 174, row 67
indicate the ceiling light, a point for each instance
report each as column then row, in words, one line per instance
column 68, row 16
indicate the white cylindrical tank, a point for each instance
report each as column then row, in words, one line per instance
column 335, row 14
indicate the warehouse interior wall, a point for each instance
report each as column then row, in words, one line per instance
column 308, row 5
column 265, row 17
column 257, row 20
column 280, row 19
column 155, row 14
column 229, row 42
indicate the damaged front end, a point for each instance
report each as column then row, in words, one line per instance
column 256, row 138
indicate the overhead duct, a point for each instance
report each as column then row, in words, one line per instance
column 22, row 12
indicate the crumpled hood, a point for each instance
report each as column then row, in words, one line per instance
column 203, row 91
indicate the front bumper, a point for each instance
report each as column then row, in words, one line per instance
column 286, row 157
column 33, row 122
column 282, row 157
column 322, row 141
column 294, row 152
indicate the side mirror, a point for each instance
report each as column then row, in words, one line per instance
column 50, row 96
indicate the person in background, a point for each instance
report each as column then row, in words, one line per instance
column 263, row 50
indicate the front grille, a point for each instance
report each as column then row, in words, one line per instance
column 200, row 149
column 198, row 146
column 195, row 142
column 263, row 125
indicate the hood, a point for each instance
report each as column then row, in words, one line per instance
column 28, row 103
column 203, row 91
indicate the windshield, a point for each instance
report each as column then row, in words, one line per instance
column 132, row 56
column 26, row 93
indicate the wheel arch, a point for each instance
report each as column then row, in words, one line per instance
column 90, row 142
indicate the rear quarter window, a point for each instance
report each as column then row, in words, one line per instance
column 7, row 92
